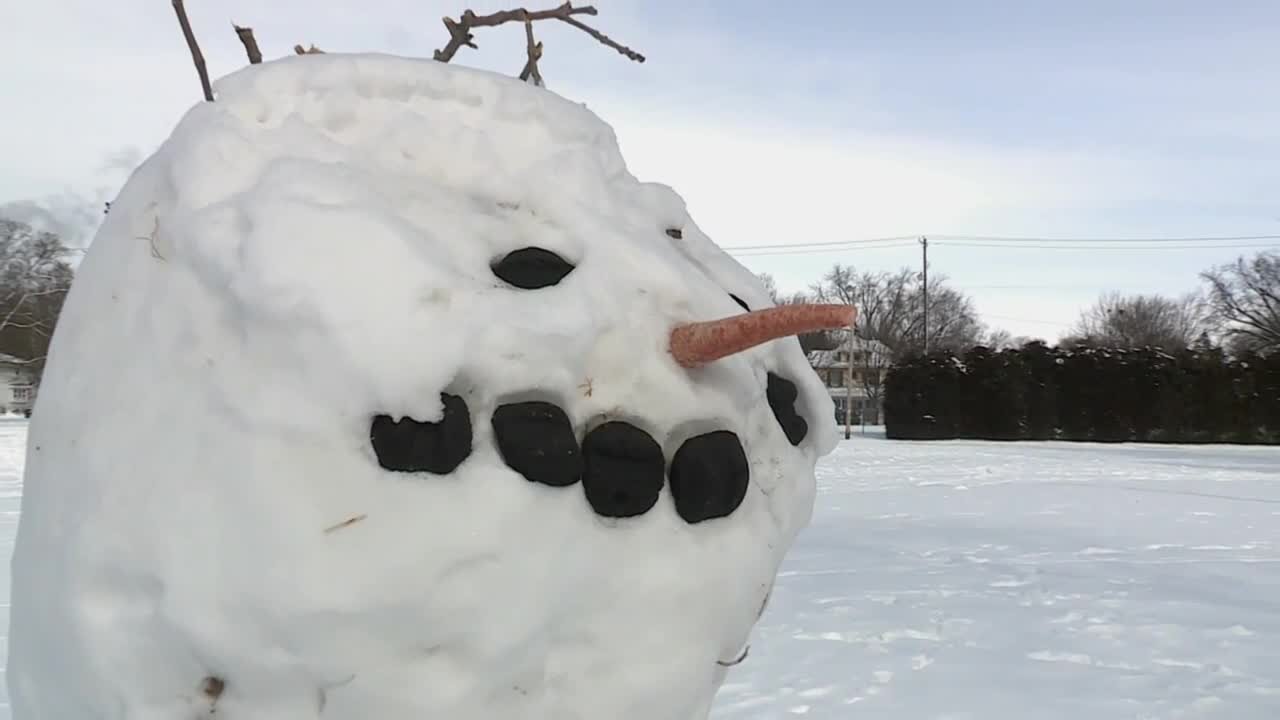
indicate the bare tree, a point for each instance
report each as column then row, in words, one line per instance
column 1244, row 298
column 891, row 309
column 869, row 361
column 34, row 279
column 770, row 287
column 820, row 340
column 1132, row 321
column 777, row 296
column 1001, row 339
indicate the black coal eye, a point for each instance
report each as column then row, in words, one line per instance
column 740, row 302
column 782, row 395
column 675, row 233
column 532, row 268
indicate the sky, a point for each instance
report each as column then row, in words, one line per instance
column 811, row 121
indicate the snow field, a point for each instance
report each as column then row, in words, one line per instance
column 984, row 581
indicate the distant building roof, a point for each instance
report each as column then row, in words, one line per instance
column 830, row 358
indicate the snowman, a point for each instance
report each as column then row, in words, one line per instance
column 386, row 391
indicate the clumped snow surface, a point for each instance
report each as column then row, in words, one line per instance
column 222, row 514
column 985, row 581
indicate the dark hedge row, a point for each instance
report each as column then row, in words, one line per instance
column 1045, row 393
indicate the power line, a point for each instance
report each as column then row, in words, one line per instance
column 832, row 243
column 889, row 243
column 1021, row 243
column 1025, row 320
column 820, row 251
column 924, row 285
column 950, row 243
column 1004, row 239
column 1110, row 247
column 1042, row 286
column 1091, row 248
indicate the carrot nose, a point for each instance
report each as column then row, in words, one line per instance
column 698, row 343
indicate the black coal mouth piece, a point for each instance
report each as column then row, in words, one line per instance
column 620, row 467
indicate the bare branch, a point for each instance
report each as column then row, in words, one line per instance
column 460, row 30
column 313, row 50
column 1245, row 299
column 458, row 36
column 346, row 523
column 604, row 39
column 27, row 295
column 8, row 319
column 250, row 44
column 535, row 53
column 39, row 326
column 196, row 56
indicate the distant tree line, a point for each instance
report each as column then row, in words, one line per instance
column 1204, row 367
column 1201, row 367
column 1196, row 395
column 1237, row 308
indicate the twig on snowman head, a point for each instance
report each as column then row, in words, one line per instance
column 250, row 43
column 460, row 30
column 604, row 39
column 196, row 56
column 346, row 523
column 535, row 54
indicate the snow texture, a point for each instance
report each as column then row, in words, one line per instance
column 206, row 528
column 1027, row 580
column 966, row 580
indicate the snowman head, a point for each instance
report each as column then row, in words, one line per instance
column 385, row 379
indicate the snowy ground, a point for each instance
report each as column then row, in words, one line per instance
column 13, row 445
column 991, row 581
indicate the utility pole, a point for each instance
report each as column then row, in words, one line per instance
column 924, row 251
column 848, row 389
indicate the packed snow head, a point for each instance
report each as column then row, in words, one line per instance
column 386, row 391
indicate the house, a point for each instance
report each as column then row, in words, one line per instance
column 870, row 361
column 17, row 385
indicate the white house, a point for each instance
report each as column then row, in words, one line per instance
column 870, row 364
column 17, row 385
